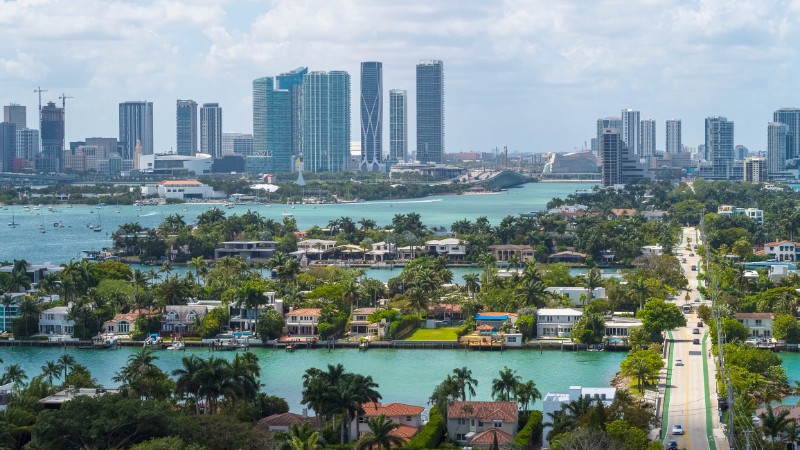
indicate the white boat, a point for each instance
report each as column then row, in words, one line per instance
column 178, row 345
column 287, row 214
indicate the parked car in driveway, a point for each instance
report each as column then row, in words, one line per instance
column 677, row 429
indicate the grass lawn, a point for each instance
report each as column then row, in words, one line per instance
column 438, row 334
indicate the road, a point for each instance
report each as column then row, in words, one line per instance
column 688, row 401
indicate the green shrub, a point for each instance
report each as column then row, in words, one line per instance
column 531, row 432
column 431, row 434
column 404, row 326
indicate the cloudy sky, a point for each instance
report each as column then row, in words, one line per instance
column 530, row 74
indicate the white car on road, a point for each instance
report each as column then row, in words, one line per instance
column 677, row 429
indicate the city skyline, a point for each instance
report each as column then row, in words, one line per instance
column 554, row 67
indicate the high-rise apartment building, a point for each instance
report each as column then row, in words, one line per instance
column 8, row 146
column 719, row 147
column 52, row 133
column 240, row 144
column 16, row 114
column 647, row 137
column 186, row 127
column 211, row 130
column 107, row 145
column 674, row 136
column 777, row 147
column 135, row 124
column 398, row 125
column 326, row 121
column 371, row 116
column 272, row 125
column 27, row 144
column 292, row 82
column 611, row 149
column 755, row 169
column 430, row 111
column 630, row 130
column 603, row 124
column 790, row 117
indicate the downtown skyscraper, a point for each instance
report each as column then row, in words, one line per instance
column 398, row 125
column 674, row 136
column 719, row 147
column 371, row 116
column 777, row 147
column 52, row 133
column 272, row 124
column 604, row 123
column 790, row 117
column 326, row 121
column 611, row 149
column 211, row 130
column 647, row 137
column 16, row 114
column 135, row 124
column 430, row 111
column 630, row 130
column 292, row 82
column 186, row 127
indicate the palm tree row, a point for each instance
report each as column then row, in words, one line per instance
column 207, row 381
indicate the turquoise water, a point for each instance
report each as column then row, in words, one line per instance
column 791, row 363
column 407, row 376
column 59, row 245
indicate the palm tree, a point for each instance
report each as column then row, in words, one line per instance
column 28, row 309
column 188, row 380
column 380, row 429
column 472, row 283
column 527, row 393
column 773, row 424
column 51, row 370
column 65, row 362
column 465, row 382
column 640, row 290
column 506, row 385
column 592, row 281
column 166, row 268
column 533, row 292
column 197, row 264
column 14, row 374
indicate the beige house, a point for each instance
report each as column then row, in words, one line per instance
column 303, row 322
column 503, row 253
column 474, row 424
column 408, row 417
column 360, row 324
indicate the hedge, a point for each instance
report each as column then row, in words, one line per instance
column 431, row 434
column 531, row 432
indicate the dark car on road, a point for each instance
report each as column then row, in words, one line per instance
column 672, row 445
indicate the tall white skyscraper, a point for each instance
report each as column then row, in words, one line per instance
column 719, row 146
column 630, row 130
column 326, row 121
column 27, row 144
column 647, row 137
column 674, row 136
column 777, row 147
column 211, row 130
column 371, row 116
column 398, row 125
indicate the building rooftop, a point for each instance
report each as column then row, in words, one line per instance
column 487, row 411
column 559, row 312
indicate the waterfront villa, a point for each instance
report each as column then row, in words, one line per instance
column 407, row 417
column 495, row 319
column 447, row 311
column 56, row 321
column 577, row 294
column 303, row 322
column 759, row 324
column 283, row 422
column 475, row 424
column 556, row 322
column 382, row 251
column 621, row 326
column 10, row 312
column 124, row 323
column 181, row 318
column 244, row 319
column 35, row 272
column 568, row 257
column 450, row 248
column 314, row 248
column 410, row 252
column 247, row 250
column 59, row 398
column 783, row 250
column 503, row 253
column 554, row 401
column 361, row 326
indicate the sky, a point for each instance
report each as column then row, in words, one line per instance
column 533, row 75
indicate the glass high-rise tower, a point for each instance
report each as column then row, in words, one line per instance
column 371, row 116
column 630, row 130
column 16, row 114
column 135, row 123
column 211, row 129
column 777, row 147
column 430, row 111
column 790, row 117
column 674, row 136
column 719, row 147
column 52, row 133
column 398, row 125
column 326, row 121
column 647, row 137
column 186, row 127
column 292, row 82
column 272, row 124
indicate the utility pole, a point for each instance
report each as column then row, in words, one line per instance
column 747, row 436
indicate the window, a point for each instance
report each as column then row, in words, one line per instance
column 497, row 423
column 462, row 421
column 480, row 424
column 408, row 418
column 124, row 327
column 362, row 419
column 472, row 422
column 191, row 315
column 172, row 315
column 461, row 437
column 758, row 322
column 512, row 339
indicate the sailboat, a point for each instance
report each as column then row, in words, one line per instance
column 99, row 227
column 13, row 223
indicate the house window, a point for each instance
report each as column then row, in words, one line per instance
column 362, row 419
column 172, row 315
column 472, row 423
column 191, row 315
column 497, row 423
column 408, row 418
column 124, row 327
column 462, row 421
column 480, row 424
column 512, row 339
column 461, row 437
column 758, row 322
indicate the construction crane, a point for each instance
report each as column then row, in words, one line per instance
column 39, row 91
column 63, row 99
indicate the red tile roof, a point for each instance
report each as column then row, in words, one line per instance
column 362, row 311
column 447, row 308
column 283, row 420
column 772, row 244
column 391, row 409
column 754, row 315
column 486, row 411
column 487, row 437
column 306, row 312
column 623, row 212
column 405, row 432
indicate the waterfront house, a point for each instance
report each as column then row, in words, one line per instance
column 759, row 324
column 35, row 272
column 182, row 318
column 360, row 324
column 408, row 417
column 314, row 249
column 56, row 321
column 556, row 322
column 577, row 295
column 450, row 248
column 568, row 257
column 469, row 421
column 495, row 319
column 59, row 398
column 186, row 190
column 410, row 252
column 244, row 319
column 554, row 401
column 504, row 253
column 303, row 322
column 619, row 326
column 283, row 422
column 10, row 312
column 447, row 312
column 125, row 323
column 250, row 251
column 783, row 250
column 382, row 251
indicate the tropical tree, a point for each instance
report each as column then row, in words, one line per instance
column 592, row 281
column 189, row 379
column 300, row 437
column 379, row 435
column 14, row 374
column 472, row 283
column 504, row 387
column 466, row 384
column 773, row 424
column 50, row 370
column 198, row 264
column 65, row 362
column 527, row 393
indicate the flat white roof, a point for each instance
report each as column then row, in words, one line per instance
column 559, row 312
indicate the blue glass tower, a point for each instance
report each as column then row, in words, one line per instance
column 430, row 111
column 326, row 121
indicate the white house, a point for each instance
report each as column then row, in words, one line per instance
column 753, row 213
column 181, row 318
column 657, row 250
column 407, row 417
column 554, row 401
column 56, row 321
column 248, row 250
column 303, row 322
column 186, row 190
column 35, row 272
column 382, row 251
column 759, row 324
column 783, row 250
column 244, row 319
column 451, row 248
column 556, row 322
column 575, row 292
column 621, row 326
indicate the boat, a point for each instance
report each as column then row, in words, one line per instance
column 101, row 342
column 363, row 345
column 153, row 341
column 98, row 228
column 177, row 345
column 13, row 223
column 290, row 347
column 287, row 214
